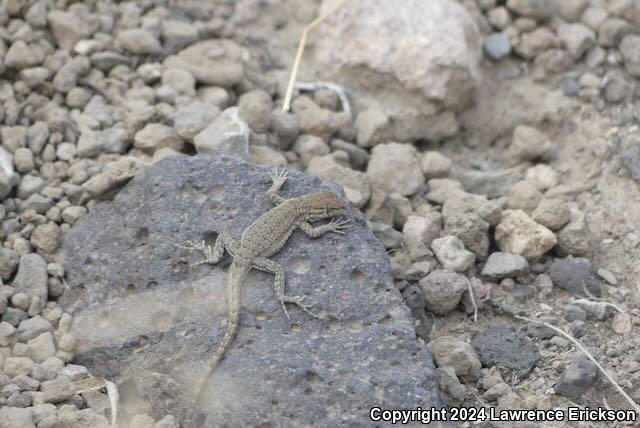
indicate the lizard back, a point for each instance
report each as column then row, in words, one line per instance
column 268, row 234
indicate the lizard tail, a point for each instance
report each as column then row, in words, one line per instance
column 234, row 283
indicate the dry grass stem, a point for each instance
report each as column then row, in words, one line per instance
column 473, row 300
column 301, row 45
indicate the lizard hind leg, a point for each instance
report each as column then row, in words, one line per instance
column 212, row 254
column 270, row 266
column 335, row 225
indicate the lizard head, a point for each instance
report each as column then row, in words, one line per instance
column 322, row 205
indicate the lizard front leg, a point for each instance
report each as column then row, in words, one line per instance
column 267, row 265
column 278, row 177
column 337, row 226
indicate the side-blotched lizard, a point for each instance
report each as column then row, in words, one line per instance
column 265, row 237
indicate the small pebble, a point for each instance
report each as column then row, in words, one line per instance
column 607, row 276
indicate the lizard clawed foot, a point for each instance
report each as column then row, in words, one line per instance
column 278, row 177
column 297, row 300
column 192, row 246
column 338, row 226
column 207, row 250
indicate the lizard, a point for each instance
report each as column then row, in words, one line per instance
column 262, row 239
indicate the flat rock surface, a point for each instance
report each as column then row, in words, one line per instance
column 144, row 318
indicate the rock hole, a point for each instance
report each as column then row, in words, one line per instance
column 142, row 236
column 312, row 376
column 131, row 289
column 308, row 391
column 151, row 285
column 357, row 275
column 295, row 328
column 396, row 363
column 180, row 266
column 210, row 238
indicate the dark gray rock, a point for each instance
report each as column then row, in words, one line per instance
column 358, row 156
column 630, row 158
column 472, row 230
column 14, row 316
column 9, row 390
column 578, row 328
column 32, row 327
column 573, row 313
column 493, row 183
column 541, row 331
column 523, row 293
column 19, row 399
column 502, row 344
column 141, row 313
column 504, row 265
column 191, row 119
column 31, row 278
column 8, row 262
column 570, row 87
column 389, row 237
column 57, row 390
column 581, row 375
column 106, row 60
column 575, row 274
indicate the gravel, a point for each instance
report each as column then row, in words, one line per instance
column 228, row 135
column 504, row 265
column 497, row 46
column 442, row 290
column 486, row 172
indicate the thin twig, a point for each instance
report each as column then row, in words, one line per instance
column 635, row 406
column 301, row 45
column 473, row 300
